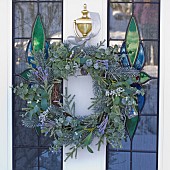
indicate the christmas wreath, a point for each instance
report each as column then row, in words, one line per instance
column 117, row 89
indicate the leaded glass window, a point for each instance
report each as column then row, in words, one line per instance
column 140, row 153
column 30, row 150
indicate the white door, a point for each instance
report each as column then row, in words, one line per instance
column 29, row 146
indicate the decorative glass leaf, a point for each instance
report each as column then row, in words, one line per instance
column 132, row 41
column 29, row 55
column 38, row 35
column 25, row 74
column 144, row 77
column 131, row 125
column 141, row 102
column 46, row 49
column 125, row 61
column 140, row 60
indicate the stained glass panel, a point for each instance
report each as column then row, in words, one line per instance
column 140, row 60
column 25, row 139
column 38, row 36
column 147, row 14
column 132, row 41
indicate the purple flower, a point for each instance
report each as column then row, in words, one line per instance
column 39, row 68
column 103, row 125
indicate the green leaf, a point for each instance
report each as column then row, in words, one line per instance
column 44, row 104
column 25, row 74
column 131, row 125
column 89, row 149
column 87, row 140
column 132, row 41
column 117, row 100
column 144, row 77
column 38, row 35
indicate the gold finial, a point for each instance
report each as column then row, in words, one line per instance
column 83, row 25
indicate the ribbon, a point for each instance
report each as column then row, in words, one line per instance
column 96, row 25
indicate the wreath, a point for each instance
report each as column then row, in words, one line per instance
column 51, row 111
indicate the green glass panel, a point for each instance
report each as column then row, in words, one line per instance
column 132, row 41
column 131, row 125
column 38, row 35
column 25, row 74
column 144, row 77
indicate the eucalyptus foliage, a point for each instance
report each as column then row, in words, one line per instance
column 114, row 96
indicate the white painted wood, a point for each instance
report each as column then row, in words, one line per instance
column 81, row 86
column 164, row 114
column 72, row 10
column 5, row 84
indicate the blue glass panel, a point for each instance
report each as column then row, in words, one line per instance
column 141, row 102
column 125, row 60
column 29, row 54
column 49, row 160
column 141, row 99
column 46, row 49
column 144, row 161
column 140, row 60
column 146, row 134
column 118, row 161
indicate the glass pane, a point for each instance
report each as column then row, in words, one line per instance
column 49, row 160
column 52, row 19
column 45, row 141
column 151, row 100
column 146, row 134
column 151, row 55
column 23, row 136
column 147, row 18
column 118, row 161
column 25, row 159
column 25, row 14
column 144, row 161
column 20, row 66
column 119, row 43
column 125, row 145
column 20, row 46
column 120, row 14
